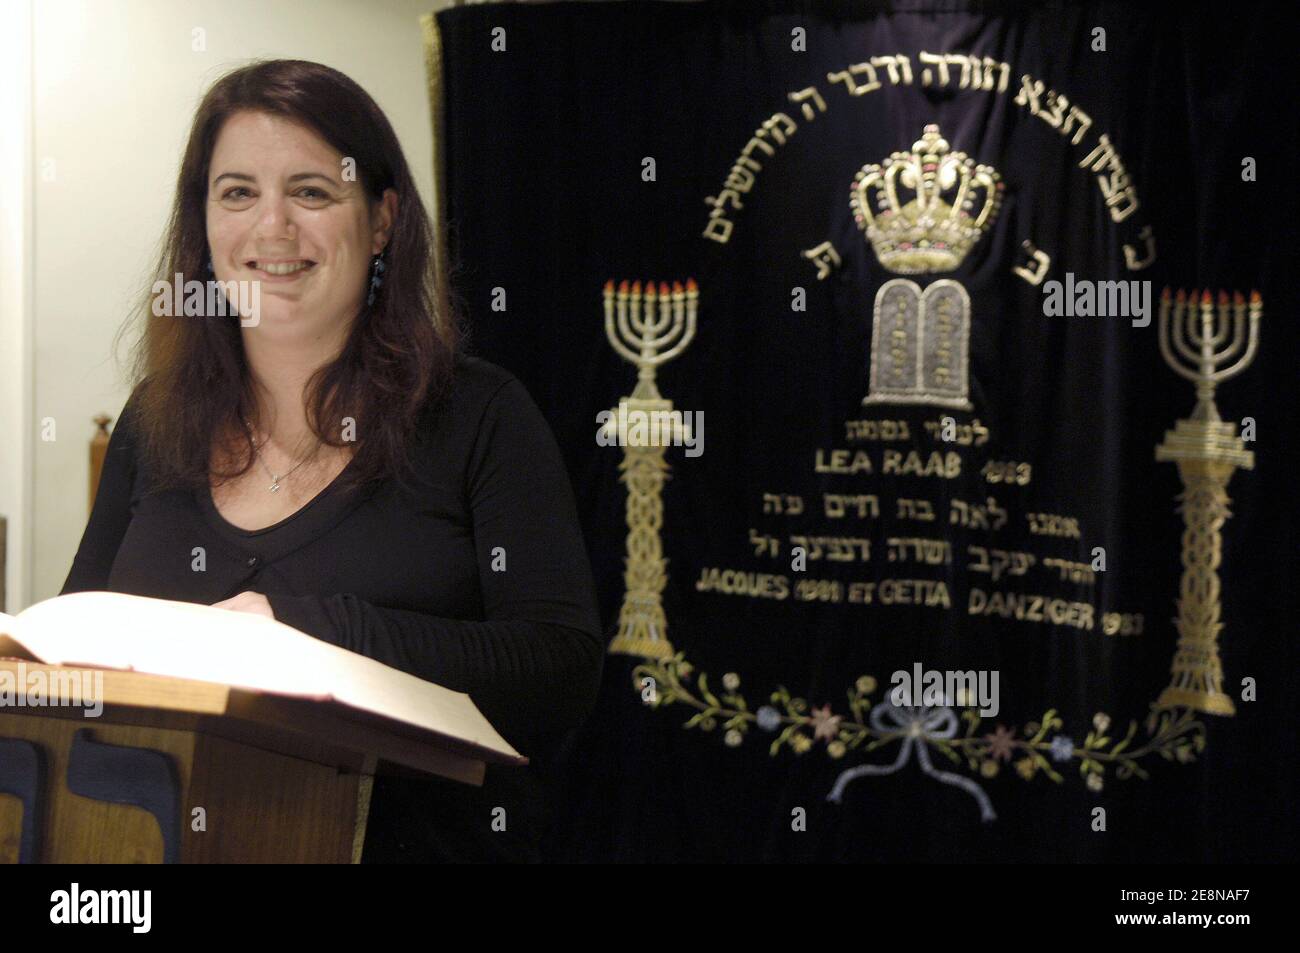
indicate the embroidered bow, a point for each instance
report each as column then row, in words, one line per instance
column 919, row 726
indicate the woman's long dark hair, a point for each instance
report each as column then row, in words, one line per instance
column 191, row 374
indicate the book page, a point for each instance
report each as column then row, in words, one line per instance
column 10, row 647
column 192, row 641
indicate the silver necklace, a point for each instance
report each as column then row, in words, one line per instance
column 275, row 480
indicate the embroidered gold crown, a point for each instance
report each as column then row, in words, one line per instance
column 927, row 233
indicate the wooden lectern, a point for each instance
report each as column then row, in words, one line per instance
column 266, row 778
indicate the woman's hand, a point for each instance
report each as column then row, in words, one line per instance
column 253, row 602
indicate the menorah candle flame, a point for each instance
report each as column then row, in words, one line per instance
column 647, row 328
column 1206, row 345
column 655, row 335
column 1198, row 346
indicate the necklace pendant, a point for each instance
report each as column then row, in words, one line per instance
column 275, row 486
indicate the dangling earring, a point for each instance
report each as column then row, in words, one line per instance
column 376, row 278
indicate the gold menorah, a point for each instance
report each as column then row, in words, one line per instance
column 647, row 330
column 1207, row 347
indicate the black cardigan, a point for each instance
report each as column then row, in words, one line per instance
column 478, row 580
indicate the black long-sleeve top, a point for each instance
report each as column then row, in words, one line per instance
column 478, row 579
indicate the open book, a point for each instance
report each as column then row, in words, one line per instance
column 186, row 640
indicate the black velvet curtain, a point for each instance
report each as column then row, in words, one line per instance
column 547, row 195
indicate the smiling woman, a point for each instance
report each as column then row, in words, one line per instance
column 339, row 464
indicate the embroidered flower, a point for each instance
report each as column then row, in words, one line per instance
column 866, row 685
column 1000, row 743
column 1101, row 721
column 1062, row 748
column 1026, row 767
column 989, row 769
column 825, row 725
column 836, row 749
column 1094, row 782
column 731, row 681
column 733, row 738
column 769, row 719
column 800, row 743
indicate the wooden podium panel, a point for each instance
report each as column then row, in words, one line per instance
column 258, row 806
column 267, row 778
column 81, row 830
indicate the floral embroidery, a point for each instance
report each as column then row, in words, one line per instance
column 1000, row 743
column 1173, row 734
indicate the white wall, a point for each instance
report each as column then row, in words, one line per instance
column 114, row 84
column 15, row 293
